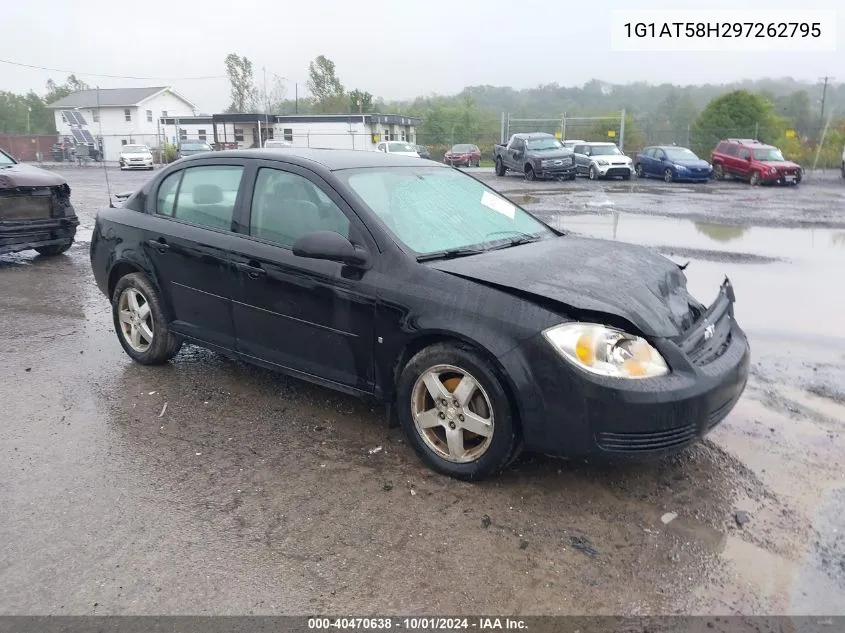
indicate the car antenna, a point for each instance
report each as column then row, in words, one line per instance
column 103, row 157
column 684, row 267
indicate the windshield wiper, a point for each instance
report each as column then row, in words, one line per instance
column 449, row 254
column 521, row 238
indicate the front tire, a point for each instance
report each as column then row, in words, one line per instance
column 456, row 413
column 53, row 249
column 500, row 167
column 755, row 179
column 594, row 174
column 140, row 322
column 668, row 176
column 529, row 173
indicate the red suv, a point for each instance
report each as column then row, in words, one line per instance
column 463, row 154
column 753, row 161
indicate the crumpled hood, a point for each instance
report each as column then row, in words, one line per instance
column 624, row 280
column 21, row 175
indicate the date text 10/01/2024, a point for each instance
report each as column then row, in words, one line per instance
column 726, row 30
column 418, row 623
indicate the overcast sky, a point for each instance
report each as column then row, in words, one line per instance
column 395, row 49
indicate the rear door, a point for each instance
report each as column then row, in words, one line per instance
column 311, row 316
column 188, row 240
column 658, row 162
column 742, row 166
column 582, row 161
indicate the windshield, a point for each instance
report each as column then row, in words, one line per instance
column 463, row 149
column 398, row 146
column 544, row 144
column 680, row 153
column 430, row 209
column 771, row 154
column 135, row 149
column 605, row 150
column 5, row 159
column 194, row 146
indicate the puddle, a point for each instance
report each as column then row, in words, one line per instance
column 792, row 285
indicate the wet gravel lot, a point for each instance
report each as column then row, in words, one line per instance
column 211, row 487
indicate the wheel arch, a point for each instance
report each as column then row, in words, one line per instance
column 425, row 339
column 123, row 267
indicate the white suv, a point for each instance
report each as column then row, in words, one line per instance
column 602, row 160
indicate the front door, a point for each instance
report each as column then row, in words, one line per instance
column 311, row 316
column 187, row 240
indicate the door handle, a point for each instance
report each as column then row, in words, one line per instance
column 254, row 271
column 160, row 245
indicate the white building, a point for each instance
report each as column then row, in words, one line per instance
column 119, row 116
column 336, row 131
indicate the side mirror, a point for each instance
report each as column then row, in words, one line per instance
column 748, row 158
column 330, row 246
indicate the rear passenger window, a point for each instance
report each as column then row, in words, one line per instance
column 207, row 195
column 287, row 206
column 730, row 150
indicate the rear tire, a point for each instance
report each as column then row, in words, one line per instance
column 136, row 308
column 718, row 172
column 500, row 167
column 440, row 434
column 53, row 249
column 638, row 169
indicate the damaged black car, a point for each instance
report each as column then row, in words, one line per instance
column 35, row 209
column 483, row 329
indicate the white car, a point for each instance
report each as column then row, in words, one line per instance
column 602, row 160
column 571, row 143
column 135, row 157
column 400, row 148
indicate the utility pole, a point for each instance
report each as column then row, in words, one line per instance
column 824, row 96
column 266, row 102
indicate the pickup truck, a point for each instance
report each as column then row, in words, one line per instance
column 535, row 156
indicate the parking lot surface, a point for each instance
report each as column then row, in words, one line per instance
column 207, row 486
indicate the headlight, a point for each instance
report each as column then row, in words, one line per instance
column 680, row 168
column 601, row 161
column 606, row 351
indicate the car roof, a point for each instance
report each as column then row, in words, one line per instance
column 530, row 135
column 599, row 143
column 331, row 159
column 746, row 141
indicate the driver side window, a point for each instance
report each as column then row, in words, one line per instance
column 287, row 206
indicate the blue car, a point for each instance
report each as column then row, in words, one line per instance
column 672, row 163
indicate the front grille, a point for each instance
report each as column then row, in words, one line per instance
column 646, row 441
column 25, row 207
column 618, row 171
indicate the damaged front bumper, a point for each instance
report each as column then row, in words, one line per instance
column 575, row 414
column 21, row 235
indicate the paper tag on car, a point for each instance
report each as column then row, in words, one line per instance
column 498, row 204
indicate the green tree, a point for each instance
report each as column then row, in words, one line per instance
column 60, row 91
column 325, row 87
column 796, row 108
column 735, row 114
column 360, row 101
column 243, row 91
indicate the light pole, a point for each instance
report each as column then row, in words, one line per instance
column 28, row 111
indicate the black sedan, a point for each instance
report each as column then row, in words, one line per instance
column 35, row 209
column 416, row 285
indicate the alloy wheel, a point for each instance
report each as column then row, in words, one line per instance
column 667, row 175
column 452, row 413
column 136, row 319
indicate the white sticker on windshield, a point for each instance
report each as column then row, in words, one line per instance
column 498, row 204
